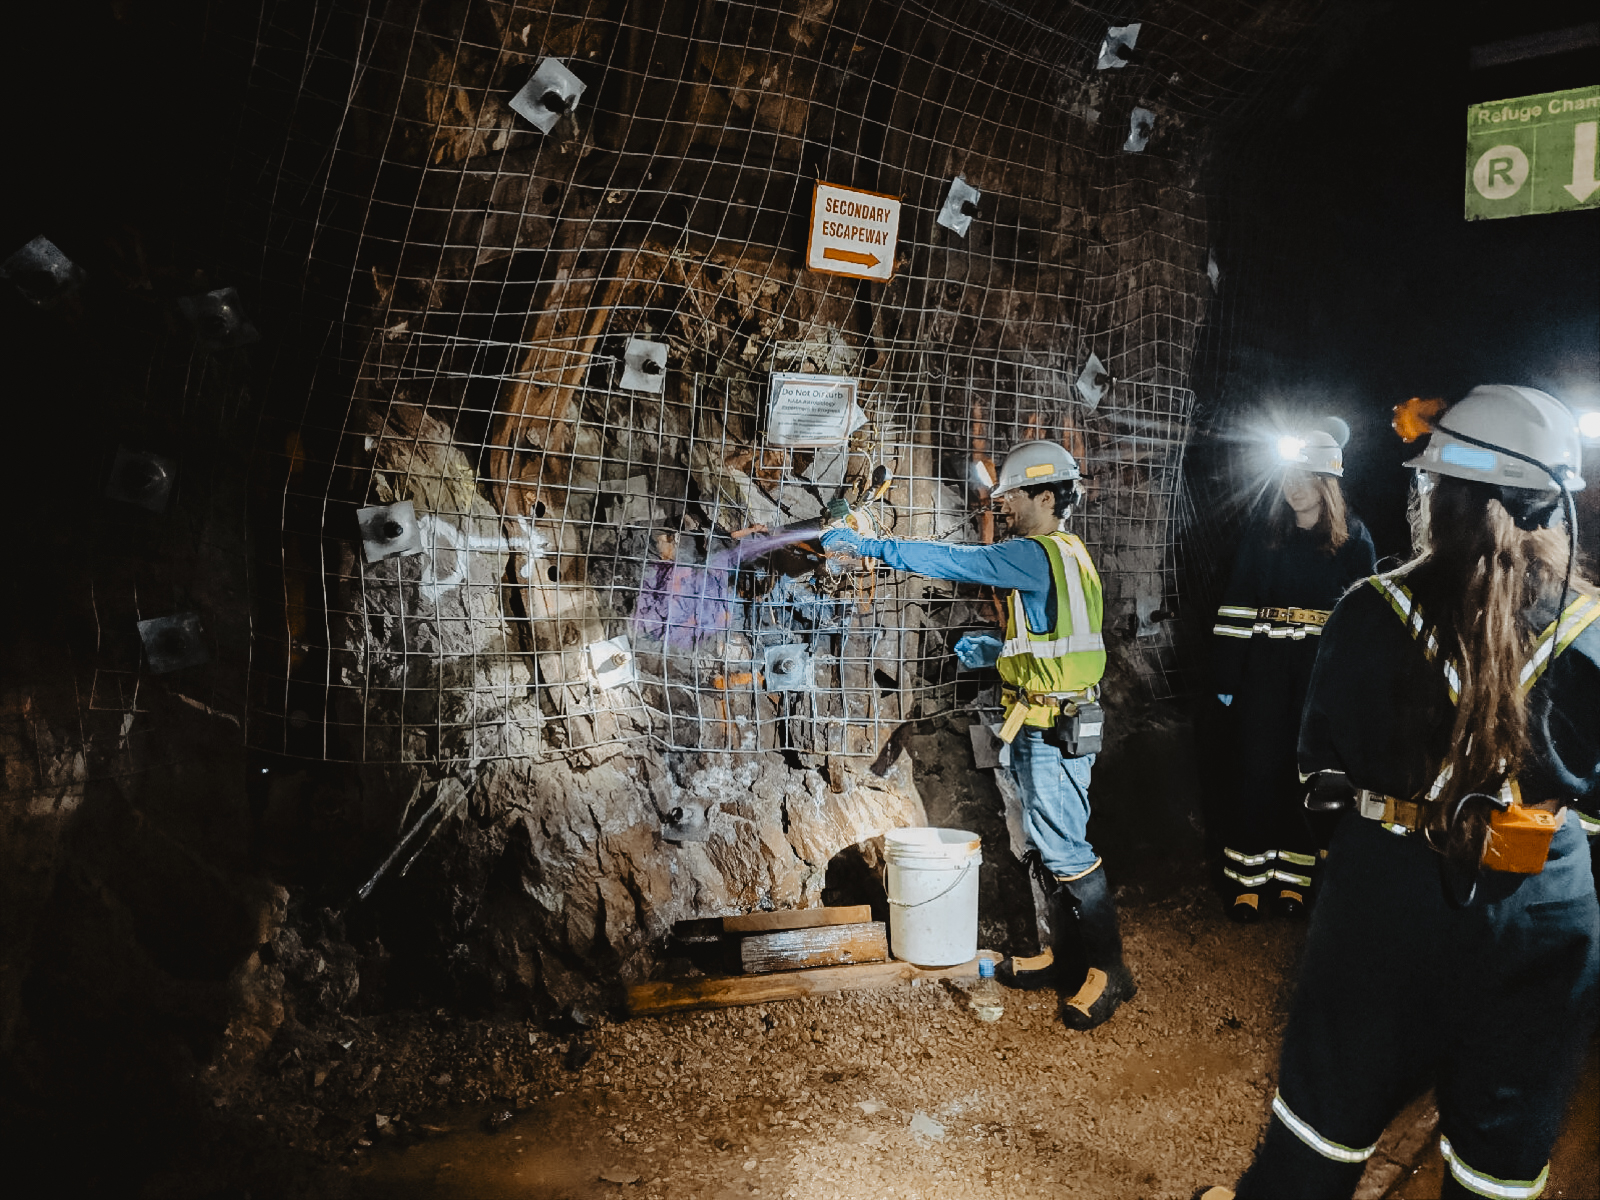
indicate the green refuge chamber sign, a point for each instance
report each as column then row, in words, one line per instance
column 1531, row 155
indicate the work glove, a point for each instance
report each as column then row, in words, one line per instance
column 978, row 649
column 1226, row 699
column 841, row 539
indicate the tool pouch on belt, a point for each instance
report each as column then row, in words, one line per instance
column 1078, row 728
column 1519, row 839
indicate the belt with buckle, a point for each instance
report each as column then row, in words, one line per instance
column 1386, row 810
column 1295, row 616
column 1022, row 704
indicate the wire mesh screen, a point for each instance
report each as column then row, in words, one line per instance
column 591, row 545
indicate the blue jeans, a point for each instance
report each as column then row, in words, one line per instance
column 1055, row 802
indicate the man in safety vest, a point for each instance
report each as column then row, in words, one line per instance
column 1050, row 659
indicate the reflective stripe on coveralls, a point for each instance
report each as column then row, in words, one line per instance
column 1278, row 873
column 1293, row 623
column 1328, row 1149
column 1068, row 658
column 1488, row 1185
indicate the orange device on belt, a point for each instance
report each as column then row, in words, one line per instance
column 1519, row 839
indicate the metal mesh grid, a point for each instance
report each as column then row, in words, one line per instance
column 478, row 281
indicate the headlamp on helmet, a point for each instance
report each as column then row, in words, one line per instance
column 1315, row 451
column 1515, row 437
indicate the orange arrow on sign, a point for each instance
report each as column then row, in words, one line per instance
column 850, row 256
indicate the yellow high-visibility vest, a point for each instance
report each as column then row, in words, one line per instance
column 1070, row 656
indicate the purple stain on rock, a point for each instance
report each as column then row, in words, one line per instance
column 682, row 605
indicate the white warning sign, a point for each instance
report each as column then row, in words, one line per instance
column 812, row 410
column 853, row 232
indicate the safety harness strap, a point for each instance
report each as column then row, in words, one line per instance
column 1402, row 816
column 1578, row 616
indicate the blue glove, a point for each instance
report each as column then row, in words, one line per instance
column 841, row 539
column 1226, row 700
column 978, row 649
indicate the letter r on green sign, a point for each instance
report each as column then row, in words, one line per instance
column 1502, row 168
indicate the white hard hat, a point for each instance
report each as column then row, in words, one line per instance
column 1511, row 436
column 1035, row 463
column 1316, row 451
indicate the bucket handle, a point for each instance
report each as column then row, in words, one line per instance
column 957, row 882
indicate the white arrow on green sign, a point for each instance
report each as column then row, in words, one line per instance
column 1535, row 154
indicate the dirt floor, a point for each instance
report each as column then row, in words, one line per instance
column 891, row 1093
column 896, row 1093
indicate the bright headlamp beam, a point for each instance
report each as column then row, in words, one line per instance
column 1289, row 448
column 1589, row 424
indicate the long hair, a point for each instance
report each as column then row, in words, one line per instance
column 1479, row 578
column 1332, row 529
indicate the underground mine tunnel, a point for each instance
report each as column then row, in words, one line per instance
column 462, row 722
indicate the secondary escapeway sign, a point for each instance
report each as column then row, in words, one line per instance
column 853, row 232
column 1535, row 154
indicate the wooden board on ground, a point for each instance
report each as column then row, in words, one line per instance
column 685, row 995
column 797, row 918
column 823, row 946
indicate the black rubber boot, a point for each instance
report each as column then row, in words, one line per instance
column 1108, row 982
column 1029, row 974
column 1290, row 902
column 1246, row 908
column 1062, row 961
column 1063, row 964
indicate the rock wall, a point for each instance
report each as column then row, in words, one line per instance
column 484, row 278
column 443, row 295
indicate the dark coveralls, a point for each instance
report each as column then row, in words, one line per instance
column 1402, row 985
column 1265, row 664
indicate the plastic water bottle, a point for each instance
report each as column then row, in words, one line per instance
column 986, row 999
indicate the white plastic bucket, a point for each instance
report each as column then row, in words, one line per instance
column 933, row 895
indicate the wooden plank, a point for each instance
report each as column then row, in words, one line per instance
column 698, row 930
column 686, row 995
column 824, row 946
column 797, row 918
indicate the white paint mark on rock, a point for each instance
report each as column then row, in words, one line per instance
column 442, row 540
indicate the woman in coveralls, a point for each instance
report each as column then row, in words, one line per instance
column 1294, row 563
column 1052, row 653
column 1442, row 691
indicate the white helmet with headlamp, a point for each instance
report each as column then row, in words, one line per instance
column 1034, row 463
column 1315, row 451
column 1517, row 437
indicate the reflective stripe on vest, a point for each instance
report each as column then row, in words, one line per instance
column 1071, row 655
column 1315, row 1140
column 1488, row 1185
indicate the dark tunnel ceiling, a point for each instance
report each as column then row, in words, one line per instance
column 1355, row 281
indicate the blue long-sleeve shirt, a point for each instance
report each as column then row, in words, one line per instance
column 1018, row 564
